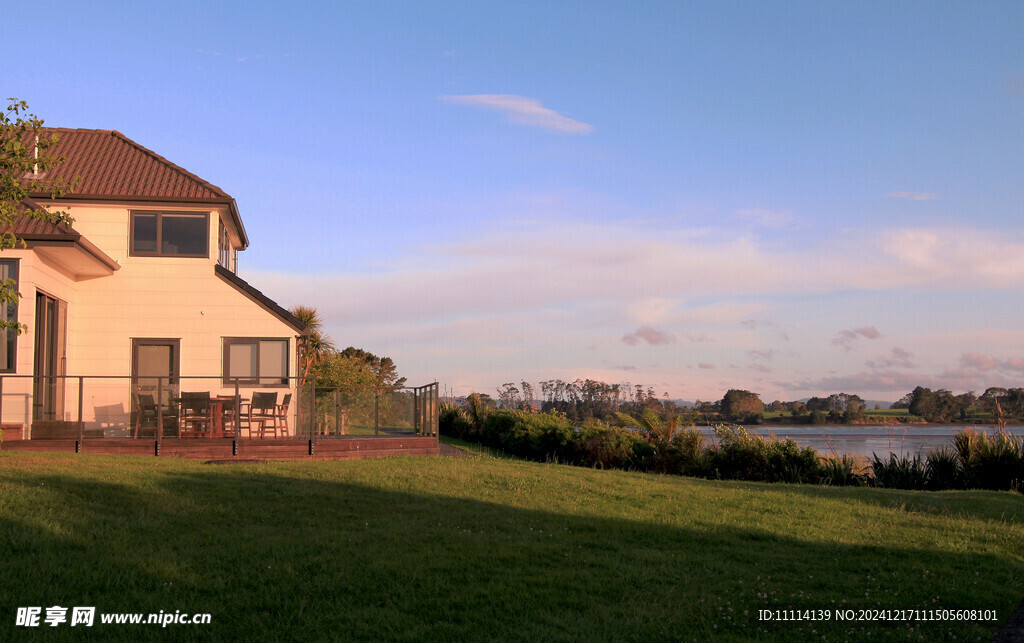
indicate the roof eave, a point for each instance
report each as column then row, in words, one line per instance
column 265, row 302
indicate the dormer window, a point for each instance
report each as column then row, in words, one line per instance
column 227, row 255
column 169, row 234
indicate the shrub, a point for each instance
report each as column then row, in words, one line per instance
column 691, row 455
column 746, row 457
column 452, row 420
column 539, row 436
column 608, row 447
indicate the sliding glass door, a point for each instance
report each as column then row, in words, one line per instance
column 50, row 358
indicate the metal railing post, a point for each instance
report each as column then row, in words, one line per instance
column 416, row 411
column 81, row 425
column 159, row 413
column 312, row 433
column 337, row 412
column 312, row 409
column 238, row 421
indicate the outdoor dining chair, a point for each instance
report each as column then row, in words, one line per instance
column 228, row 417
column 195, row 416
column 281, row 413
column 147, row 415
column 262, row 411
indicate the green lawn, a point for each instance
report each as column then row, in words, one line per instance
column 483, row 549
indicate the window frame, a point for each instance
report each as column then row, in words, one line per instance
column 282, row 381
column 159, row 214
column 12, row 358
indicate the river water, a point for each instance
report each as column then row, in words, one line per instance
column 866, row 439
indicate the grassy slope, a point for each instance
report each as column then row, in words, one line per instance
column 488, row 549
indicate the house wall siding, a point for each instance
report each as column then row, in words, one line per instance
column 149, row 297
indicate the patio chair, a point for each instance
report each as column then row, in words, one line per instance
column 228, row 417
column 147, row 415
column 281, row 413
column 262, row 411
column 195, row 417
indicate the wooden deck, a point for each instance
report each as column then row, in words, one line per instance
column 226, row 450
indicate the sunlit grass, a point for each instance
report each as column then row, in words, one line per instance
column 480, row 548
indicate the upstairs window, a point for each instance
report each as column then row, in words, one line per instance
column 9, row 313
column 255, row 361
column 169, row 234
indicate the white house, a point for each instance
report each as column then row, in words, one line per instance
column 142, row 286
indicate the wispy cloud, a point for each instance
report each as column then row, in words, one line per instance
column 764, row 325
column 897, row 358
column 566, row 283
column 913, row 196
column 984, row 363
column 846, row 338
column 766, row 218
column 523, row 111
column 652, row 336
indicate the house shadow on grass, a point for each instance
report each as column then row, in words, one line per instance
column 275, row 554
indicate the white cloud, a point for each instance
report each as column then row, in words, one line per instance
column 573, row 272
column 950, row 257
column 913, row 196
column 523, row 111
column 532, row 299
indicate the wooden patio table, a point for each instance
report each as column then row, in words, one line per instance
column 217, row 411
column 216, row 417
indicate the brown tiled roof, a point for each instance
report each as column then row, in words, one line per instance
column 26, row 227
column 32, row 230
column 108, row 163
column 111, row 166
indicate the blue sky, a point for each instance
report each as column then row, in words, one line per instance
column 792, row 198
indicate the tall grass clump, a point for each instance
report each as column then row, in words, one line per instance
column 899, row 472
column 943, row 470
column 842, row 471
column 995, row 462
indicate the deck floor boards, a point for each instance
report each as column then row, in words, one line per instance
column 247, row 449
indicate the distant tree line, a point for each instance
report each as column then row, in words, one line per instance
column 944, row 406
column 583, row 399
